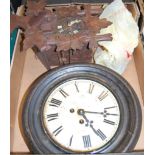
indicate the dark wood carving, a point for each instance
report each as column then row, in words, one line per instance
column 61, row 35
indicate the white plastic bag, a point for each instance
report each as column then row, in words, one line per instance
column 125, row 37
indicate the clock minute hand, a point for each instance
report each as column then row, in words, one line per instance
column 93, row 112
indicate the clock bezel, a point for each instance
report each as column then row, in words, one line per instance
column 81, row 78
column 133, row 122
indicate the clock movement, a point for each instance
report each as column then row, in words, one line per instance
column 81, row 108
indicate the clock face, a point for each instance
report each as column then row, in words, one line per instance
column 81, row 115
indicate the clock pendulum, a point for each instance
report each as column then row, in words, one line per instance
column 81, row 108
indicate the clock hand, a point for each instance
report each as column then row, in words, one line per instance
column 92, row 112
column 89, row 123
column 82, row 113
column 101, row 113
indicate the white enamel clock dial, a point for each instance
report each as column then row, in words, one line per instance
column 81, row 115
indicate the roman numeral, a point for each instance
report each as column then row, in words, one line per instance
column 58, row 130
column 109, row 122
column 91, row 88
column 51, row 117
column 55, row 102
column 103, row 95
column 110, row 107
column 70, row 142
column 101, row 134
column 86, row 141
column 76, row 87
column 64, row 94
column 111, row 114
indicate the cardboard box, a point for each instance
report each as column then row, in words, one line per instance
column 25, row 68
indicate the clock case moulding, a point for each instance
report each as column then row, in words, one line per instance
column 25, row 68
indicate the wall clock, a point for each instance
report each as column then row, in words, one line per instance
column 81, row 108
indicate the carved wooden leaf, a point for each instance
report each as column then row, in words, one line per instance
column 34, row 7
column 35, row 39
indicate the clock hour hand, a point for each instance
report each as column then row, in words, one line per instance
column 82, row 113
column 89, row 123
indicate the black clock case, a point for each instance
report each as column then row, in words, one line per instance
column 129, row 129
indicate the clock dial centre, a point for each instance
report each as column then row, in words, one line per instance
column 80, row 111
